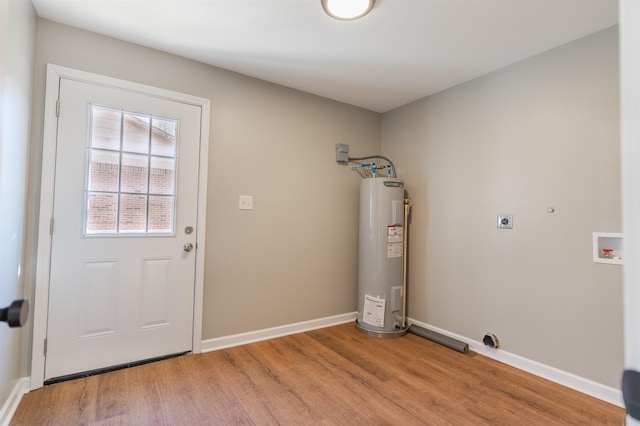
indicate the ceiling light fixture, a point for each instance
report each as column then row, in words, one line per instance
column 347, row 10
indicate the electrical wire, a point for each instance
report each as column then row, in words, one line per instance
column 393, row 167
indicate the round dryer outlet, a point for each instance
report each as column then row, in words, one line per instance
column 490, row 340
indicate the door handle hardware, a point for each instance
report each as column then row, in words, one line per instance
column 15, row 314
column 188, row 247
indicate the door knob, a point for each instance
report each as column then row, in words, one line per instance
column 188, row 247
column 15, row 314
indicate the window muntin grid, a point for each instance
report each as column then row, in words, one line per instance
column 131, row 179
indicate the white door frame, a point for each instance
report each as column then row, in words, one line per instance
column 629, row 14
column 41, row 297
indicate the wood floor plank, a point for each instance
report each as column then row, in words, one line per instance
column 367, row 356
column 230, row 375
column 364, row 392
column 331, row 376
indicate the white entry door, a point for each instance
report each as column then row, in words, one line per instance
column 124, row 228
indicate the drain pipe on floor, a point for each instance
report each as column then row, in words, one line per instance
column 439, row 338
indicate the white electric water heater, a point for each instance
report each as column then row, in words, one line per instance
column 381, row 298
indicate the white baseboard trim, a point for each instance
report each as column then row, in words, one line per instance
column 11, row 404
column 270, row 333
column 570, row 380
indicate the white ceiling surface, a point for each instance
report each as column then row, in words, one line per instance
column 402, row 51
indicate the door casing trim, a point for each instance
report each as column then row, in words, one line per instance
column 43, row 253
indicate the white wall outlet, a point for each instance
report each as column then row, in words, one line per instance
column 505, row 221
column 245, row 202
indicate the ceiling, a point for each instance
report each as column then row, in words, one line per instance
column 402, row 51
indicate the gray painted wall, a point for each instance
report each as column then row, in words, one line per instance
column 294, row 257
column 17, row 46
column 543, row 132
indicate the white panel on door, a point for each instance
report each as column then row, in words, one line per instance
column 156, row 275
column 100, row 284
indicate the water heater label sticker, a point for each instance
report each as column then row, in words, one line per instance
column 373, row 312
column 394, row 250
column 394, row 241
column 395, row 230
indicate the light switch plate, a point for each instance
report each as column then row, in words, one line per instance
column 505, row 221
column 245, row 202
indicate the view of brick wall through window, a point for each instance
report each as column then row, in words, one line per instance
column 125, row 195
column 103, row 210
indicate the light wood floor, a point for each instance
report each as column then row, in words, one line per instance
column 333, row 376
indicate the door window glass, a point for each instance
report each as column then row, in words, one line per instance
column 131, row 174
